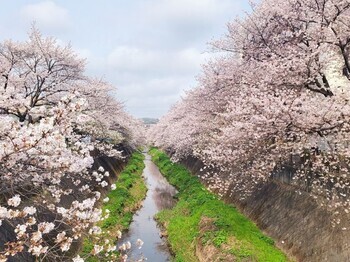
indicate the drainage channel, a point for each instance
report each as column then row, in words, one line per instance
column 160, row 195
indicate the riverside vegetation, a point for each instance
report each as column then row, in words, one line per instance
column 120, row 204
column 202, row 225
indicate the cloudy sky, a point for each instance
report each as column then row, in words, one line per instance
column 150, row 50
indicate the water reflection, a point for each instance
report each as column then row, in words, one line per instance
column 164, row 199
column 160, row 195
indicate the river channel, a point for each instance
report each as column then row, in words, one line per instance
column 160, row 195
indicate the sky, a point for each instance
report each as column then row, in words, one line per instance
column 150, row 50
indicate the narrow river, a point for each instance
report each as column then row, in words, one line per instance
column 159, row 196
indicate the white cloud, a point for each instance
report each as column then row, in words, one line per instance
column 151, row 80
column 134, row 59
column 183, row 23
column 131, row 58
column 46, row 15
column 152, row 97
column 185, row 11
column 84, row 53
column 166, row 86
column 150, row 50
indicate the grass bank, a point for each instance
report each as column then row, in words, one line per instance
column 202, row 226
column 123, row 202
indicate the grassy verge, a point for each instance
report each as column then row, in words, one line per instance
column 123, row 202
column 201, row 225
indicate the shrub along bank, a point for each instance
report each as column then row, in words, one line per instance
column 124, row 200
column 202, row 227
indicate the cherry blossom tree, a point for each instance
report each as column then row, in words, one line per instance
column 280, row 89
column 52, row 118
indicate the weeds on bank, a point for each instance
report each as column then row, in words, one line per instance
column 123, row 202
column 200, row 218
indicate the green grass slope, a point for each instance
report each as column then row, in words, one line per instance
column 201, row 225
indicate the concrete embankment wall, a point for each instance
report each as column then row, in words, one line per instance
column 300, row 226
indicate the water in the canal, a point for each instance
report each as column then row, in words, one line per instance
column 159, row 196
